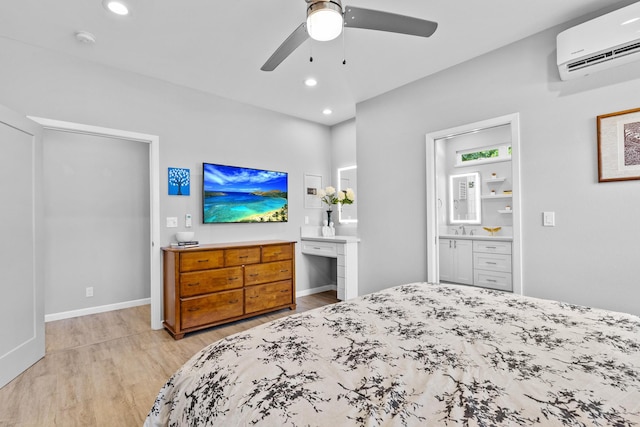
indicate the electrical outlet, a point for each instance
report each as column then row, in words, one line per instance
column 89, row 292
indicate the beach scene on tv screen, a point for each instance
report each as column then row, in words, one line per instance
column 237, row 194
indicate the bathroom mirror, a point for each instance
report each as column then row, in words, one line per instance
column 464, row 198
column 347, row 178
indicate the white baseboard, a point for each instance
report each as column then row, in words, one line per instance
column 145, row 301
column 317, row 290
column 95, row 310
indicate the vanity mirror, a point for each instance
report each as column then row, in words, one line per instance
column 464, row 198
column 347, row 178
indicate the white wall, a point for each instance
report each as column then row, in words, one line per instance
column 591, row 256
column 193, row 127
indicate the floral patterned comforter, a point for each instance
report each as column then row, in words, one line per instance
column 417, row 355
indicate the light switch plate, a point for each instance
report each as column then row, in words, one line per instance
column 549, row 219
column 187, row 220
column 172, row 222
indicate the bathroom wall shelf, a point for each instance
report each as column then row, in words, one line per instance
column 505, row 211
column 495, row 180
column 498, row 196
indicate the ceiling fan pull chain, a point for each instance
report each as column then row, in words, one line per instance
column 344, row 51
column 310, row 51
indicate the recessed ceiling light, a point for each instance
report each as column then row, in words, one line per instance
column 327, row 111
column 117, row 7
column 310, row 82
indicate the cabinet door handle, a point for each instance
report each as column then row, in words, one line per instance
column 193, row 284
column 455, row 244
column 449, row 244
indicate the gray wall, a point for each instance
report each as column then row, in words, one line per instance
column 193, row 127
column 591, row 256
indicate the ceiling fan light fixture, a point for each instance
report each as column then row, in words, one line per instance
column 324, row 20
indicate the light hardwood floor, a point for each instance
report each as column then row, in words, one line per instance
column 106, row 369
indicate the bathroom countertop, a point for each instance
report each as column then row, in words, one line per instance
column 476, row 237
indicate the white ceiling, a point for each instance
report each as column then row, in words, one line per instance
column 219, row 47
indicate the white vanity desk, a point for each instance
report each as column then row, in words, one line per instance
column 345, row 250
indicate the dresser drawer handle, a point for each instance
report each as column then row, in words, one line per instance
column 243, row 256
column 254, row 297
column 492, row 280
column 276, row 253
column 283, row 271
column 492, row 263
column 193, row 284
column 203, row 260
column 317, row 248
column 192, row 309
column 233, row 301
column 232, row 278
column 254, row 275
column 491, row 247
column 284, row 291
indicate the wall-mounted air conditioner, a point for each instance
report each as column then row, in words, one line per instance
column 604, row 42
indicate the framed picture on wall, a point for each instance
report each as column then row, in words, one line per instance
column 312, row 183
column 179, row 182
column 619, row 146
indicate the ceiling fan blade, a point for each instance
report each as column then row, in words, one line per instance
column 292, row 42
column 356, row 17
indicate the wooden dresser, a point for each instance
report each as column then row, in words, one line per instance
column 214, row 284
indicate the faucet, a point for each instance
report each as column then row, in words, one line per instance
column 463, row 230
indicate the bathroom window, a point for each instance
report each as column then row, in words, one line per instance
column 495, row 153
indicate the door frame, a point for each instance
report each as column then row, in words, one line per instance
column 433, row 274
column 154, row 195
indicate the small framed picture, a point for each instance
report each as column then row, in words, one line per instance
column 619, row 146
column 179, row 180
column 312, row 183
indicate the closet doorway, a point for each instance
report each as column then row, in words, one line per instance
column 110, row 249
column 434, row 187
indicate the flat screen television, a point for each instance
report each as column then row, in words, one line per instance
column 236, row 194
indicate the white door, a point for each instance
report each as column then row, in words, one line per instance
column 21, row 263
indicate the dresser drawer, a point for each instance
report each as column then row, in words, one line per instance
column 263, row 297
column 326, row 249
column 207, row 281
column 277, row 252
column 241, row 256
column 493, row 262
column 492, row 280
column 201, row 260
column 211, row 308
column 268, row 272
column 492, row 247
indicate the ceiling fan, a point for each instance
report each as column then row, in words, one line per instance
column 326, row 18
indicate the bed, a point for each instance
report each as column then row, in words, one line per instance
column 417, row 355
